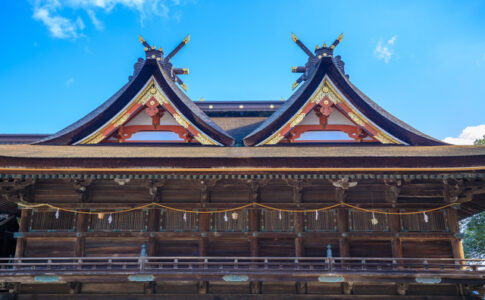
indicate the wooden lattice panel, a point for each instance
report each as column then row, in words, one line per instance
column 234, row 223
column 129, row 221
column 362, row 221
column 175, row 221
column 276, row 221
column 47, row 221
column 436, row 222
column 321, row 221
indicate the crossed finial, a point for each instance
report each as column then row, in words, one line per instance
column 153, row 53
column 313, row 59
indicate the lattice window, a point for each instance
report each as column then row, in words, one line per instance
column 236, row 221
column 437, row 222
column 362, row 221
column 276, row 221
column 321, row 221
column 46, row 221
column 129, row 221
column 175, row 221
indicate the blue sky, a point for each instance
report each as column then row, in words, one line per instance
column 423, row 61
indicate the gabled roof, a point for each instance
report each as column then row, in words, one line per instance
column 325, row 79
column 150, row 77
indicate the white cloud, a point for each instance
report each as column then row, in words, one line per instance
column 467, row 136
column 385, row 50
column 69, row 82
column 392, row 40
column 63, row 20
column 96, row 22
column 59, row 27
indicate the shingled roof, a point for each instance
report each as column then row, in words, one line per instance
column 323, row 66
column 149, row 69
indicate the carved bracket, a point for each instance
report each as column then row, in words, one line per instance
column 452, row 189
column 393, row 188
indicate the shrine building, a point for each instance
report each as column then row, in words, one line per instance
column 154, row 196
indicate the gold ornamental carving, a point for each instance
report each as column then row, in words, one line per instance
column 181, row 120
column 297, row 120
column 275, row 139
column 383, row 139
column 204, row 140
column 96, row 140
column 356, row 119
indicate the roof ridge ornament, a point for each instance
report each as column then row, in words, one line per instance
column 313, row 59
column 165, row 62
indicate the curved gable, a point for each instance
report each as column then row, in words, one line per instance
column 328, row 87
column 99, row 125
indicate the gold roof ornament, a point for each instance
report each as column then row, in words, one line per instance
column 340, row 37
column 187, row 39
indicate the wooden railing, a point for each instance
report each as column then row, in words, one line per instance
column 237, row 265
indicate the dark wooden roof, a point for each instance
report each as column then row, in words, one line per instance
column 97, row 118
column 385, row 157
column 21, row 138
column 327, row 66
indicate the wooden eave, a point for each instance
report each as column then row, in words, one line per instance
column 365, row 106
column 104, row 113
column 242, row 160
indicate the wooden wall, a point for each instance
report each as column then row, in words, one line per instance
column 252, row 232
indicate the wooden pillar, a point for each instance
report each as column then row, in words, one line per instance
column 298, row 219
column 343, row 228
column 457, row 247
column 394, row 227
column 299, row 250
column 454, row 227
column 254, row 243
column 254, row 225
column 81, row 227
column 153, row 226
column 25, row 216
column 204, row 226
column 203, row 245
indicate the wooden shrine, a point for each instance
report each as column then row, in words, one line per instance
column 154, row 196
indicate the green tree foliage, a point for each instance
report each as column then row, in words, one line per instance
column 480, row 141
column 474, row 236
column 473, row 229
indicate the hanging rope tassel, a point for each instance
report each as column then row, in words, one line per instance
column 185, row 217
column 110, row 219
column 316, row 215
column 279, row 215
column 374, row 220
column 426, row 218
column 57, row 213
column 225, row 217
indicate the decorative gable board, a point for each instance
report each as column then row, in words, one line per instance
column 149, row 117
column 327, row 116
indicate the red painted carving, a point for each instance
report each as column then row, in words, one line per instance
column 323, row 110
column 123, row 134
column 152, row 107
